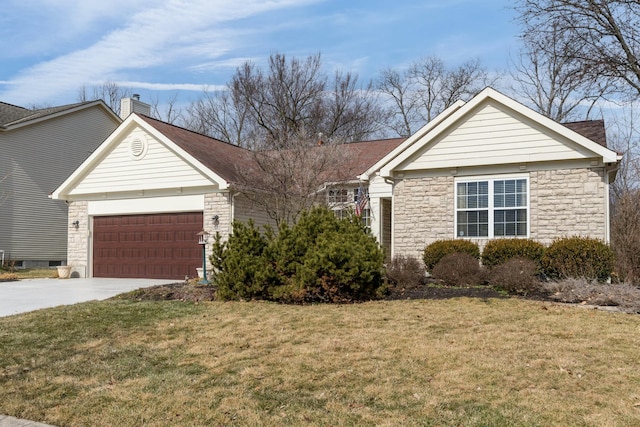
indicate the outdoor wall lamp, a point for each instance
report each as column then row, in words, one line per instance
column 76, row 224
column 203, row 238
column 216, row 220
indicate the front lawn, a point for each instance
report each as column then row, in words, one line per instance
column 460, row 361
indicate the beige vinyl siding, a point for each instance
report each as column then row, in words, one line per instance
column 38, row 158
column 160, row 168
column 244, row 210
column 493, row 135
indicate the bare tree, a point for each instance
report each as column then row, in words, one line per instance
column 168, row 111
column 402, row 116
column 288, row 180
column 623, row 138
column 549, row 75
column 110, row 92
column 603, row 35
column 625, row 194
column 625, row 235
column 426, row 89
column 290, row 100
column 220, row 114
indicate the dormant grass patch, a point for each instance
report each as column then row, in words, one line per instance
column 469, row 362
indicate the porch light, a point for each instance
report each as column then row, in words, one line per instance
column 203, row 238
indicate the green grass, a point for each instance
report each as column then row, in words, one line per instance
column 452, row 362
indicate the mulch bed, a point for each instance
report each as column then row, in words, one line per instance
column 185, row 291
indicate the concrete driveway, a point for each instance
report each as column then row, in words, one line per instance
column 34, row 294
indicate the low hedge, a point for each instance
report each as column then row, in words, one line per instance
column 578, row 257
column 437, row 250
column 499, row 251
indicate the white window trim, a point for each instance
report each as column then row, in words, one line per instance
column 490, row 179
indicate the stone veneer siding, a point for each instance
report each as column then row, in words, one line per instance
column 216, row 204
column 568, row 202
column 78, row 239
column 565, row 202
column 422, row 213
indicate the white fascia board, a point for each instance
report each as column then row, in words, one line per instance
column 410, row 141
column 62, row 192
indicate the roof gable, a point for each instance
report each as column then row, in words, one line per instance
column 224, row 159
column 12, row 116
column 115, row 170
column 492, row 129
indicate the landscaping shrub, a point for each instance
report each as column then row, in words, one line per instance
column 406, row 272
column 319, row 259
column 241, row 268
column 578, row 257
column 437, row 250
column 499, row 251
column 516, row 276
column 460, row 269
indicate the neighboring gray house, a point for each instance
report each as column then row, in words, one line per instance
column 38, row 150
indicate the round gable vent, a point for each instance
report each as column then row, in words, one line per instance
column 137, row 148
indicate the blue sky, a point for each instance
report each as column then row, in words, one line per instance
column 157, row 47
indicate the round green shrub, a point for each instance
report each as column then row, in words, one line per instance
column 437, row 250
column 499, row 251
column 578, row 257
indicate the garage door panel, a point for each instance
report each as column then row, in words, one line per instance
column 151, row 246
column 125, row 237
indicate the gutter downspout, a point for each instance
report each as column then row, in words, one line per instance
column 607, row 216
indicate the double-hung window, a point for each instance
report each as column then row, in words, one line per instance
column 492, row 207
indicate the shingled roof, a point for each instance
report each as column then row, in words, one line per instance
column 221, row 157
column 592, row 129
column 227, row 160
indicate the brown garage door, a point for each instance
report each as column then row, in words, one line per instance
column 160, row 246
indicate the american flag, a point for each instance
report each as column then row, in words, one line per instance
column 361, row 201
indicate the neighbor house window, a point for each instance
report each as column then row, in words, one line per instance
column 343, row 201
column 496, row 207
column 340, row 195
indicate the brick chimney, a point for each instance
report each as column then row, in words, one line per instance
column 133, row 105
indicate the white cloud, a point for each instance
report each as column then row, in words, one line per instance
column 151, row 37
column 169, row 86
